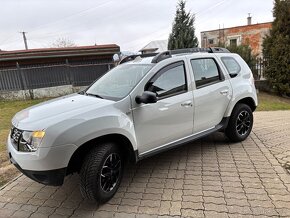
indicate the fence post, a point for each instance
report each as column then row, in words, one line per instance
column 67, row 73
column 23, row 81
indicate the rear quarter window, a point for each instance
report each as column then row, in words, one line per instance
column 231, row 64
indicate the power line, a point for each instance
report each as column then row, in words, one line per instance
column 72, row 15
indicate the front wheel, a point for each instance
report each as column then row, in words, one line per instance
column 101, row 173
column 240, row 123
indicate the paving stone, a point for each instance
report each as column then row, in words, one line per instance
column 165, row 208
column 64, row 211
column 148, row 210
column 259, row 203
column 147, row 196
column 128, row 209
column 124, row 215
column 239, row 210
column 79, row 212
column 21, row 214
column 192, row 213
column 12, row 206
column 103, row 214
column 214, row 200
column 192, row 205
column 4, row 212
column 215, row 207
column 283, row 212
column 150, row 203
column 45, row 210
column 28, row 207
column 211, row 214
column 175, row 208
column 39, row 215
column 192, row 198
column 108, row 207
column 213, row 194
column 264, row 211
column 35, row 201
column 52, row 203
column 241, row 216
column 281, row 204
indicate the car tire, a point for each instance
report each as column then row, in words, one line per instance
column 101, row 173
column 240, row 123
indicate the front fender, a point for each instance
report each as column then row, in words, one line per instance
column 80, row 131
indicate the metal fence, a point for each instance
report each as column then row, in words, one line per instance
column 258, row 68
column 34, row 77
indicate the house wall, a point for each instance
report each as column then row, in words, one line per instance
column 251, row 34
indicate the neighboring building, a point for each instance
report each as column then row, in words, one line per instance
column 49, row 56
column 155, row 47
column 253, row 34
column 51, row 72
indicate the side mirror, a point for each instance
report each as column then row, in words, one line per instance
column 146, row 98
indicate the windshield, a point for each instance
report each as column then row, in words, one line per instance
column 118, row 82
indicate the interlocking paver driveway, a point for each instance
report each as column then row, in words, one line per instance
column 207, row 178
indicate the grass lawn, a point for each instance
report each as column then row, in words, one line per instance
column 9, row 108
column 270, row 102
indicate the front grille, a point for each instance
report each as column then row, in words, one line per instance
column 15, row 137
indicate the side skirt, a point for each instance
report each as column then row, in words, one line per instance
column 220, row 127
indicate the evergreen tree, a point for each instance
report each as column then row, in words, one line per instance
column 276, row 49
column 183, row 31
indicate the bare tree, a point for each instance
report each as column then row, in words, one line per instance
column 63, row 43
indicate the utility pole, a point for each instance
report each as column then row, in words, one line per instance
column 25, row 40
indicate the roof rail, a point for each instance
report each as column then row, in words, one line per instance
column 132, row 57
column 218, row 50
column 189, row 50
column 161, row 56
column 168, row 54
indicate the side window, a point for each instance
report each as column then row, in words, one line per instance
column 231, row 64
column 205, row 71
column 170, row 81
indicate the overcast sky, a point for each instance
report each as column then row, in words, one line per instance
column 129, row 23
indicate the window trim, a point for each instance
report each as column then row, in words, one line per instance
column 220, row 74
column 163, row 70
column 240, row 68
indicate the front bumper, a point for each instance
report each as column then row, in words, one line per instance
column 50, row 177
column 46, row 165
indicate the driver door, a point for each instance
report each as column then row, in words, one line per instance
column 171, row 117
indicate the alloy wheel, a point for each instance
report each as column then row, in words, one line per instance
column 243, row 123
column 110, row 172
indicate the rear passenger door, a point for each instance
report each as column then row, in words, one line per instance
column 212, row 93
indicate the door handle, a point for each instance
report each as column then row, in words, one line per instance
column 224, row 92
column 186, row 104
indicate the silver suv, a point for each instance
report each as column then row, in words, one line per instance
column 144, row 106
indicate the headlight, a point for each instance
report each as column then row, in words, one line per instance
column 30, row 141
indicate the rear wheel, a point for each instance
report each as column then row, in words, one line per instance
column 240, row 123
column 101, row 173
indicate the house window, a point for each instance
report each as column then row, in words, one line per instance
column 210, row 41
column 233, row 42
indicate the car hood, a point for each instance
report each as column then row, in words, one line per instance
column 47, row 113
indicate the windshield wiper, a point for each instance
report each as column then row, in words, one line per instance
column 95, row 95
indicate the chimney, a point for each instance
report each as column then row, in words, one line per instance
column 249, row 18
